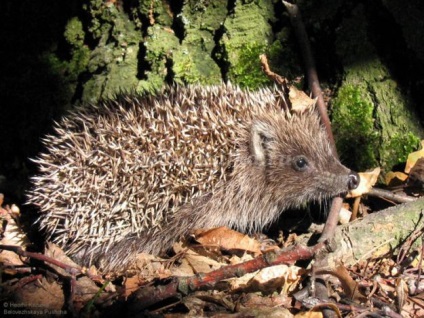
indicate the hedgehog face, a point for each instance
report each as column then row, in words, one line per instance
column 295, row 168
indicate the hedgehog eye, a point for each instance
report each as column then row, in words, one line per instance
column 300, row 163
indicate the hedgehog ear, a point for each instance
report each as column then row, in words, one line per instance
column 261, row 135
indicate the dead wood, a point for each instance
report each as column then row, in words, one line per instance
column 378, row 233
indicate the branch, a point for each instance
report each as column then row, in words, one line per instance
column 71, row 270
column 148, row 296
column 41, row 257
column 389, row 195
column 312, row 76
column 310, row 69
column 278, row 79
column 389, row 228
column 313, row 82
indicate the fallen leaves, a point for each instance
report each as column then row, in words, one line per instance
column 218, row 249
column 227, row 239
column 11, row 234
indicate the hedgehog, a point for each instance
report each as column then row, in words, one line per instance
column 138, row 172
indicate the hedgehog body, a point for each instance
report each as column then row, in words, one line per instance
column 137, row 173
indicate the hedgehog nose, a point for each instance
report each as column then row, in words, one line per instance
column 353, row 181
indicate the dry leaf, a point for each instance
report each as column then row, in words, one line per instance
column 349, row 285
column 263, row 311
column 234, row 259
column 255, row 300
column 132, row 284
column 150, row 266
column 414, row 307
column 228, row 239
column 401, row 293
column 368, row 179
column 12, row 231
column 199, row 263
column 416, row 174
column 310, row 314
column 394, row 178
column 193, row 263
column 279, row 277
column 237, row 284
column 55, row 252
column 44, row 298
column 299, row 100
column 12, row 234
column 413, row 158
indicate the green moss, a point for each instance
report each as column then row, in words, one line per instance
column 68, row 71
column 80, row 53
column 247, row 70
column 114, row 61
column 248, row 34
column 192, row 66
column 374, row 121
column 353, row 126
column 62, row 81
column 159, row 46
column 193, row 61
column 181, row 48
column 400, row 146
column 361, row 144
column 74, row 33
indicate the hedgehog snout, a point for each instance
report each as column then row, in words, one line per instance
column 353, row 180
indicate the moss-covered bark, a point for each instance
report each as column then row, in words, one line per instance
column 374, row 121
column 385, row 232
column 150, row 43
column 113, row 64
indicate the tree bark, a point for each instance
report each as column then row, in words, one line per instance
column 376, row 234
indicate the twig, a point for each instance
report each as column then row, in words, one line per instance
column 309, row 64
column 148, row 296
column 420, row 263
column 278, row 79
column 389, row 195
column 73, row 271
column 313, row 82
column 41, row 257
column 70, row 280
column 312, row 76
